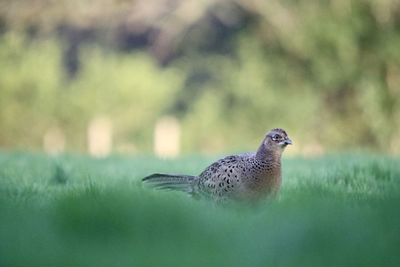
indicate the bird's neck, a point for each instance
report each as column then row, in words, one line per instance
column 268, row 178
column 267, row 154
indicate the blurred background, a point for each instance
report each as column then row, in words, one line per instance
column 185, row 76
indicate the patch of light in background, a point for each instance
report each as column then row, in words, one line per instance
column 99, row 137
column 167, row 133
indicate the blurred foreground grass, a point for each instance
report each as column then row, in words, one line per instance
column 340, row 210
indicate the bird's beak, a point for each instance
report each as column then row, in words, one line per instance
column 285, row 142
column 288, row 142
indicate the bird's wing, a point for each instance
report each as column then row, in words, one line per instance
column 223, row 177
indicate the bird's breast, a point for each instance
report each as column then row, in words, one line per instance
column 265, row 181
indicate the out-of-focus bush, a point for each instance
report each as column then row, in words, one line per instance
column 36, row 96
column 326, row 71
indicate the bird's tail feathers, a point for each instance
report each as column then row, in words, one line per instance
column 184, row 183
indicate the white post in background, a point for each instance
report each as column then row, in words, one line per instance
column 54, row 141
column 167, row 135
column 99, row 137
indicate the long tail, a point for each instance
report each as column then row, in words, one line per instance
column 184, row 183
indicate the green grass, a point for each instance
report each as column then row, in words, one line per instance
column 339, row 210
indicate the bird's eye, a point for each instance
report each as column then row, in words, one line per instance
column 276, row 137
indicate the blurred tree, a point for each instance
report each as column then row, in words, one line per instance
column 222, row 67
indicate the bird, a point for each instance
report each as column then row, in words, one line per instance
column 248, row 176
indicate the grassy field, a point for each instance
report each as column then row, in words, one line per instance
column 339, row 210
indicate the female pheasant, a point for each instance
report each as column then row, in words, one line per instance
column 246, row 176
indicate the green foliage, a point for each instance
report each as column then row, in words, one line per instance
column 28, row 87
column 336, row 210
column 35, row 96
column 245, row 98
column 327, row 71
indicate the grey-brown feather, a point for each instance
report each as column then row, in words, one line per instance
column 183, row 183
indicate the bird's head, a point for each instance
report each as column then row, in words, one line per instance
column 277, row 139
column 273, row 144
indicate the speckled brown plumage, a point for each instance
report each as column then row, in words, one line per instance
column 244, row 176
